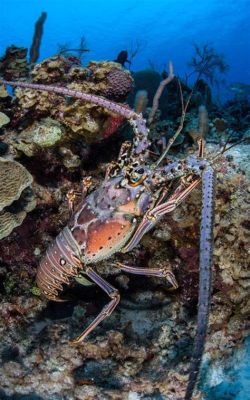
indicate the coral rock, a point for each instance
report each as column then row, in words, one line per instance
column 81, row 119
column 4, row 119
column 16, row 197
column 13, row 65
column 3, row 92
column 50, row 70
column 44, row 134
column 220, row 124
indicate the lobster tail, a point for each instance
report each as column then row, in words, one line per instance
column 61, row 262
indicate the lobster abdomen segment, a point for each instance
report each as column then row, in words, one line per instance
column 61, row 262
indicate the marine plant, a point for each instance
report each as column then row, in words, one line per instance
column 206, row 63
column 66, row 48
column 37, row 38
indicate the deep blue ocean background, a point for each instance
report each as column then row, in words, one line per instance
column 164, row 29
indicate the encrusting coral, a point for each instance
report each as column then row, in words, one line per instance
column 3, row 92
column 39, row 136
column 82, row 120
column 16, row 197
column 14, row 65
column 4, row 119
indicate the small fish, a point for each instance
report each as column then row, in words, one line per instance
column 122, row 58
column 240, row 89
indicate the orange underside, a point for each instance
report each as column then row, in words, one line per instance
column 107, row 235
column 129, row 208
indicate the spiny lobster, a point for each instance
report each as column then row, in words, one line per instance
column 132, row 199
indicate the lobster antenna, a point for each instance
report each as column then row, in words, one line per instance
column 180, row 127
column 225, row 149
column 183, row 116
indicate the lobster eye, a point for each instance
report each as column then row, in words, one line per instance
column 137, row 176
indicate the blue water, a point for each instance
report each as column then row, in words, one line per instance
column 165, row 30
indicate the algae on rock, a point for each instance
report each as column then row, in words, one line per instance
column 41, row 135
column 4, row 119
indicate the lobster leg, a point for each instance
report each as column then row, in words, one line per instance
column 154, row 215
column 71, row 200
column 72, row 195
column 205, row 265
column 157, row 272
column 201, row 146
column 107, row 310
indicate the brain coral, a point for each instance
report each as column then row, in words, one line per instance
column 119, row 84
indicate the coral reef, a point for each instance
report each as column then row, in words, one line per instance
column 16, row 197
column 143, row 349
column 118, row 84
column 148, row 80
column 141, row 101
column 4, row 119
column 221, row 126
column 39, row 136
column 5, row 103
column 83, row 121
column 3, row 92
column 14, row 65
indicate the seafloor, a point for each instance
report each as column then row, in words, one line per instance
column 47, row 145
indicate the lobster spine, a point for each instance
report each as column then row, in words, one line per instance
column 61, row 262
